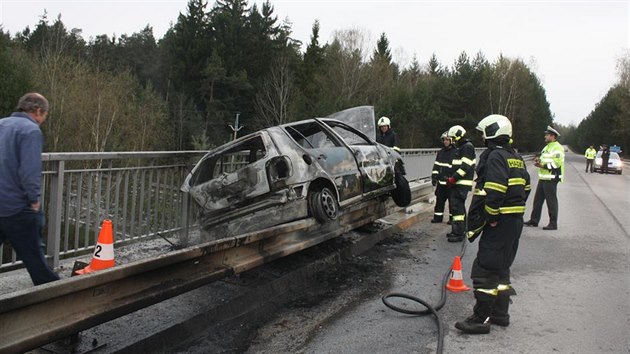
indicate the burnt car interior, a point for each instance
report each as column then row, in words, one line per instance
column 228, row 161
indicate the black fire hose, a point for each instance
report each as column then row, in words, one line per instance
column 430, row 309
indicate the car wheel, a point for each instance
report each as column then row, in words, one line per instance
column 402, row 194
column 324, row 206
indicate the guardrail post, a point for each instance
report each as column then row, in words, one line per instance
column 55, row 208
column 184, row 220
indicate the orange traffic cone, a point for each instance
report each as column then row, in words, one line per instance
column 456, row 283
column 103, row 256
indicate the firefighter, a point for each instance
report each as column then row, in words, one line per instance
column 496, row 215
column 386, row 135
column 441, row 171
column 460, row 182
column 590, row 157
column 550, row 173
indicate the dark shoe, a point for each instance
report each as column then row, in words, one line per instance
column 455, row 238
column 474, row 325
column 502, row 321
column 531, row 223
column 436, row 221
column 551, row 227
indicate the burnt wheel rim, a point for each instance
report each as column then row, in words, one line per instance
column 329, row 204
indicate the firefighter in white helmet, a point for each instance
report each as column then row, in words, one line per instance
column 496, row 215
column 385, row 134
column 441, row 171
column 460, row 181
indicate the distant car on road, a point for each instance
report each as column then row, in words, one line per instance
column 313, row 167
column 615, row 164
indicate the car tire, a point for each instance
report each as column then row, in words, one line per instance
column 324, row 206
column 402, row 194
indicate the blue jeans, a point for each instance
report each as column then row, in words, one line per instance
column 23, row 230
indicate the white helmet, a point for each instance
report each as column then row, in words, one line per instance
column 444, row 135
column 383, row 121
column 456, row 132
column 495, row 125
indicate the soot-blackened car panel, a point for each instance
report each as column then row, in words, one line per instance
column 229, row 177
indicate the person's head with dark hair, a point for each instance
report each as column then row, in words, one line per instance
column 35, row 105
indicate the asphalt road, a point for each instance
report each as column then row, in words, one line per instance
column 573, row 287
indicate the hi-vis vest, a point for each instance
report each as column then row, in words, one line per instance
column 552, row 162
column 590, row 153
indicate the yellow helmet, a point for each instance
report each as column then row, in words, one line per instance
column 456, row 132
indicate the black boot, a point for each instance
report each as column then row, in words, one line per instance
column 551, row 226
column 531, row 223
column 474, row 325
column 500, row 315
column 455, row 238
column 436, row 220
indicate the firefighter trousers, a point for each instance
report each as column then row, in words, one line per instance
column 491, row 269
column 457, row 206
column 441, row 196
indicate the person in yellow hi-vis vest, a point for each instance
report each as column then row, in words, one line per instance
column 550, row 172
column 590, row 157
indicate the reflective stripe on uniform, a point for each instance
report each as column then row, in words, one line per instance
column 465, row 182
column 459, row 217
column 456, row 162
column 479, row 192
column 503, row 287
column 512, row 209
column 438, row 214
column 548, row 177
column 468, row 161
column 442, row 182
column 443, row 164
column 494, row 292
column 516, row 182
column 461, row 172
column 495, row 186
column 528, row 187
column 491, row 211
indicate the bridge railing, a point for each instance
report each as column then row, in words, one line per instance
column 138, row 191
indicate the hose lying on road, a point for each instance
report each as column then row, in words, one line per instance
column 430, row 309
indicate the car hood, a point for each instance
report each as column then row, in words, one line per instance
column 360, row 118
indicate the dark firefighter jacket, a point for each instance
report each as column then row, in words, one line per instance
column 464, row 164
column 388, row 139
column 502, row 187
column 442, row 167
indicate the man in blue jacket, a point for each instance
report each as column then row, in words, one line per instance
column 21, row 217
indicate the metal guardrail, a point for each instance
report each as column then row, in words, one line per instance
column 40, row 315
column 138, row 191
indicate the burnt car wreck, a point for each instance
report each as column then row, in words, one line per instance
column 314, row 167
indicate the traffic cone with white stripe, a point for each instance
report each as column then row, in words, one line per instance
column 456, row 283
column 103, row 256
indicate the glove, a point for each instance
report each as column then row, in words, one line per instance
column 450, row 182
column 434, row 182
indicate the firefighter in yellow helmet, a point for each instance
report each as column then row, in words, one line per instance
column 550, row 172
column 460, row 181
column 496, row 217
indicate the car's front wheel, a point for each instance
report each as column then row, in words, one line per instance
column 402, row 194
column 323, row 205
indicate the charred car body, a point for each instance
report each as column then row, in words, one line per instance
column 314, row 167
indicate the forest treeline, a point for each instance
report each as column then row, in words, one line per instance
column 134, row 92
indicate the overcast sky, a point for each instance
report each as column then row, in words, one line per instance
column 572, row 46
